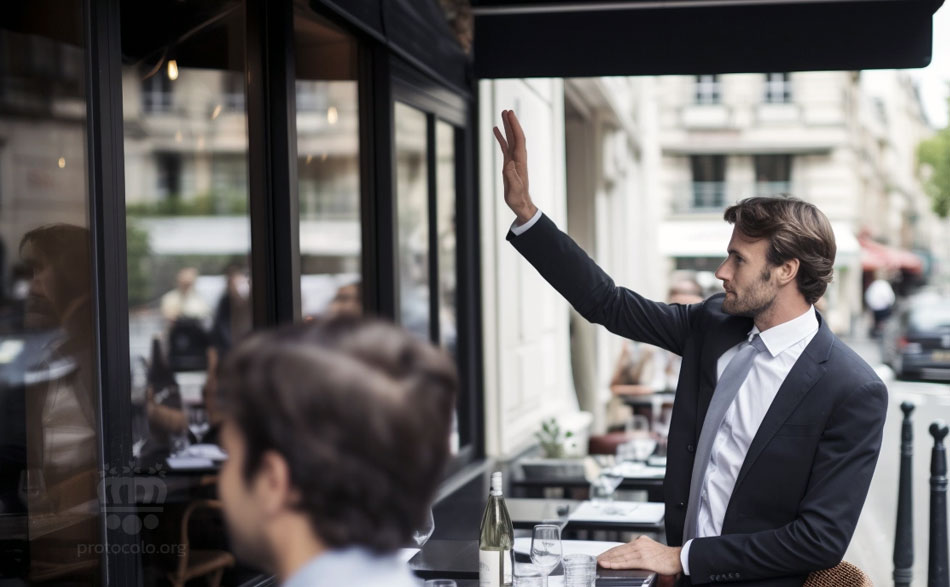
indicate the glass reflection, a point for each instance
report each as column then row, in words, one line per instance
column 328, row 168
column 445, row 226
column 412, row 216
column 189, row 284
column 48, row 400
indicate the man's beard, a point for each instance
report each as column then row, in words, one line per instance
column 759, row 299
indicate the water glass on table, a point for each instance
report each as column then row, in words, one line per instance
column 580, row 570
column 526, row 575
column 546, row 549
column 440, row 583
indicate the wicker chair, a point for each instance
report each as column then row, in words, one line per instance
column 843, row 575
column 192, row 563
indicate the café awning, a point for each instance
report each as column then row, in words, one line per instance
column 875, row 256
column 564, row 38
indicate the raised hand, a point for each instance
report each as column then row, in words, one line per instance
column 515, row 167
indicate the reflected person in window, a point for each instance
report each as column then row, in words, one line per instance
column 337, row 433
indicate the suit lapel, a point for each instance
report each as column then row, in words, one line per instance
column 803, row 376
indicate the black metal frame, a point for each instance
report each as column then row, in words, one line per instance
column 272, row 161
column 103, row 72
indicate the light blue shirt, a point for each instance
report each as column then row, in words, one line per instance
column 353, row 567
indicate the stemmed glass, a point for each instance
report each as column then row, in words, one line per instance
column 198, row 423
column 546, row 549
column 421, row 534
column 604, row 487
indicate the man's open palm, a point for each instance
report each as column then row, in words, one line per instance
column 515, row 167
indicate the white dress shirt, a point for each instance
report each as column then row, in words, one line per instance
column 785, row 344
column 353, row 567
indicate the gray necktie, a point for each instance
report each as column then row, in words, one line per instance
column 727, row 388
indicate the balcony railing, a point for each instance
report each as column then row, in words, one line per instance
column 712, row 197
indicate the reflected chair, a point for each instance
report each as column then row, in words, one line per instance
column 194, row 563
column 843, row 575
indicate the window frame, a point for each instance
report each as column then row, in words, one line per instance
column 778, row 90
column 707, row 89
column 443, row 104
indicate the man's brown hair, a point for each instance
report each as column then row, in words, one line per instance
column 795, row 230
column 360, row 409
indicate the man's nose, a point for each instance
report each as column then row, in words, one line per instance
column 721, row 273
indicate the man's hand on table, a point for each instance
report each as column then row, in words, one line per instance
column 644, row 554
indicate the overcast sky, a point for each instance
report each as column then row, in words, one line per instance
column 933, row 79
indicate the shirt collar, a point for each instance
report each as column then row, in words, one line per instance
column 779, row 338
column 335, row 565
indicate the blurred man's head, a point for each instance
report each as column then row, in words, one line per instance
column 186, row 278
column 238, row 281
column 338, row 431
column 685, row 291
column 58, row 259
column 348, row 301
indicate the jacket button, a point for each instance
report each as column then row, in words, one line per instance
column 690, row 448
column 681, row 505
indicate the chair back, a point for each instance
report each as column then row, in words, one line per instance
column 843, row 575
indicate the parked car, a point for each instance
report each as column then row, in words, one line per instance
column 916, row 341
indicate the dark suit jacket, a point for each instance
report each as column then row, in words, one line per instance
column 804, row 480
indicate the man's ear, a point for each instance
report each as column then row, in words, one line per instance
column 788, row 271
column 272, row 484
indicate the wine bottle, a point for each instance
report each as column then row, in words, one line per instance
column 496, row 540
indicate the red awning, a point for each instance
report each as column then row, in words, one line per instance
column 875, row 255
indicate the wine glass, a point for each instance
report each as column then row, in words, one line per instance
column 546, row 549
column 198, row 423
column 421, row 534
column 604, row 487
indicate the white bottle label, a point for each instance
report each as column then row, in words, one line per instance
column 494, row 568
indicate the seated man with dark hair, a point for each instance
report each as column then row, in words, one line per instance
column 337, row 434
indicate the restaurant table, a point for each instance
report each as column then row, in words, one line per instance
column 458, row 560
column 526, row 512
column 579, row 487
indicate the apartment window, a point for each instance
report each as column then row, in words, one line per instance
column 708, row 89
column 233, row 91
column 778, row 88
column 773, row 174
column 157, row 93
column 709, row 181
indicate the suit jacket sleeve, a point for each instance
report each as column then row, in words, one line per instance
column 828, row 513
column 594, row 295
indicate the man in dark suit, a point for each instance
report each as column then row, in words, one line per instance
column 776, row 424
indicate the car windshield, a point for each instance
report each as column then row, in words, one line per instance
column 935, row 317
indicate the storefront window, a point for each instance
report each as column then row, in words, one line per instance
column 188, row 235
column 49, row 436
column 328, row 168
column 412, row 218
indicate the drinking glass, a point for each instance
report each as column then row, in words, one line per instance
column 546, row 549
column 198, row 422
column 580, row 570
column 607, row 482
column 421, row 534
column 440, row 583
